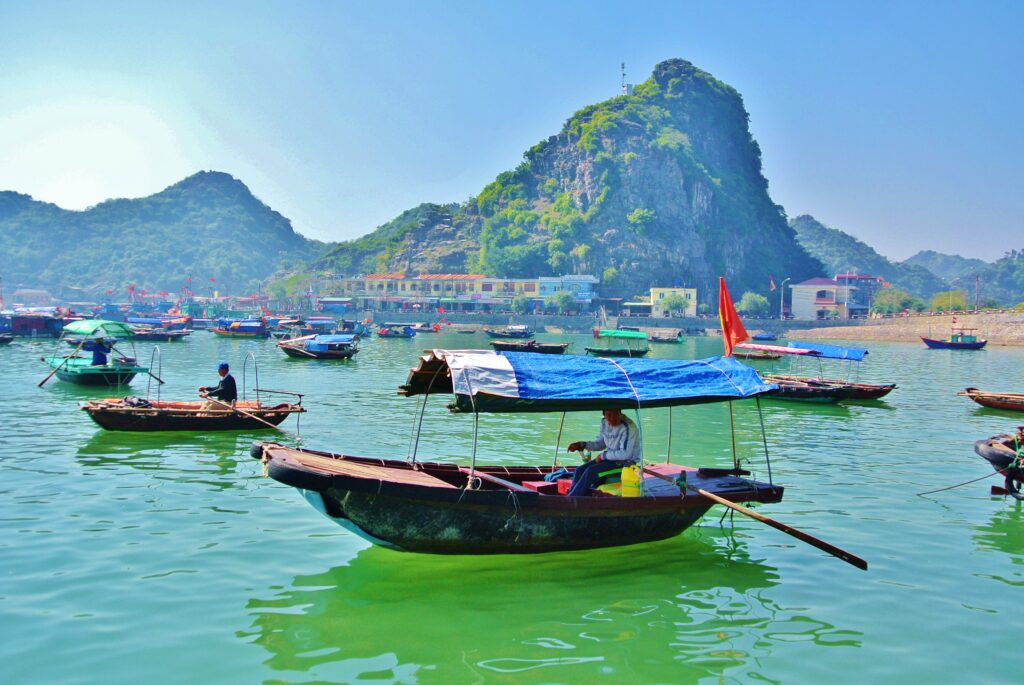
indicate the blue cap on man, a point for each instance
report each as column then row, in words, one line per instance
column 222, row 365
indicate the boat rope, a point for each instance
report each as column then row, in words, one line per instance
column 423, row 408
column 636, row 395
column 764, row 440
column 476, row 428
column 668, row 449
column 951, row 487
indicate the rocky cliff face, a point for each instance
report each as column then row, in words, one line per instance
column 661, row 187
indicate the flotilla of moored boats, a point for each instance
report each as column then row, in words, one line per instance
column 460, row 507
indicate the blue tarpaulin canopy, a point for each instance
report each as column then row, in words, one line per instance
column 831, row 351
column 529, row 382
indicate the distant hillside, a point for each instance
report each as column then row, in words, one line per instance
column 208, row 225
column 842, row 253
column 1003, row 281
column 660, row 187
column 946, row 266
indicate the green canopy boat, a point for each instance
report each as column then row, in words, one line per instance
column 95, row 334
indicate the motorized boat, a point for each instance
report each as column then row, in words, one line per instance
column 242, row 328
column 959, row 339
column 513, row 331
column 337, row 346
column 395, row 330
column 529, row 346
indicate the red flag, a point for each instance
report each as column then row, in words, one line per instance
column 771, row 283
column 733, row 331
column 213, row 280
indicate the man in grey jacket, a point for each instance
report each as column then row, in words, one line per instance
column 619, row 438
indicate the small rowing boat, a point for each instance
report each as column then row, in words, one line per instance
column 1010, row 401
column 138, row 414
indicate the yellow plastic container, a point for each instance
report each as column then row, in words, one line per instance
column 631, row 481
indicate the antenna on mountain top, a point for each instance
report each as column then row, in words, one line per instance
column 627, row 88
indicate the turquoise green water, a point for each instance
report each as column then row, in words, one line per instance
column 168, row 558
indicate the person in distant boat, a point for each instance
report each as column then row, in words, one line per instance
column 100, row 349
column 226, row 391
column 619, row 438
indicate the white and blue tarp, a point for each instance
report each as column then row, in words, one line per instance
column 528, row 382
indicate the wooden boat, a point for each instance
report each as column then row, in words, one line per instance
column 241, row 328
column 395, row 330
column 514, row 331
column 959, row 339
column 1011, row 401
column 529, row 346
column 6, row 338
column 665, row 339
column 137, row 414
column 765, row 336
column 848, row 390
column 616, row 352
column 339, row 346
column 159, row 334
column 797, row 391
column 91, row 333
column 756, row 355
column 1004, row 453
column 632, row 349
column 447, row 508
column 426, row 327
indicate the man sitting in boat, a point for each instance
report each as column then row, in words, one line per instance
column 620, row 439
column 226, row 391
column 100, row 349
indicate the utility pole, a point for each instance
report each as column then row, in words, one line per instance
column 782, row 297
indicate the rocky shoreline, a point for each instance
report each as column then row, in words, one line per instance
column 999, row 328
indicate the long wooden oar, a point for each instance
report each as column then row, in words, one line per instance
column 57, row 368
column 245, row 413
column 789, row 530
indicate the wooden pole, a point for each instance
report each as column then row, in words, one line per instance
column 245, row 413
column 789, row 530
column 57, row 368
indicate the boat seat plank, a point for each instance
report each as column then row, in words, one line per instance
column 344, row 467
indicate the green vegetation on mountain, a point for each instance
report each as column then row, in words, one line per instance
column 660, row 187
column 208, row 226
column 1003, row 280
column 946, row 266
column 842, row 253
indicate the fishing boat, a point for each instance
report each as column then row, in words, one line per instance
column 241, row 328
column 426, row 327
column 139, row 414
column 632, row 349
column 1006, row 455
column 959, row 339
column 513, row 331
column 666, row 339
column 337, row 346
column 529, row 346
column 93, row 334
column 817, row 388
column 395, row 330
column 765, row 336
column 157, row 334
column 447, row 508
column 6, row 338
column 756, row 355
column 1011, row 401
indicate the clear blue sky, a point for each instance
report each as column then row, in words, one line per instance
column 898, row 122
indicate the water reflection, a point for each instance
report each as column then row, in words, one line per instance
column 211, row 458
column 675, row 611
column 1005, row 533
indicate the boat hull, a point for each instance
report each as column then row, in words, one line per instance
column 183, row 416
column 300, row 353
column 531, row 346
column 80, row 372
column 378, row 499
column 615, row 352
column 1000, row 452
column 996, row 400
